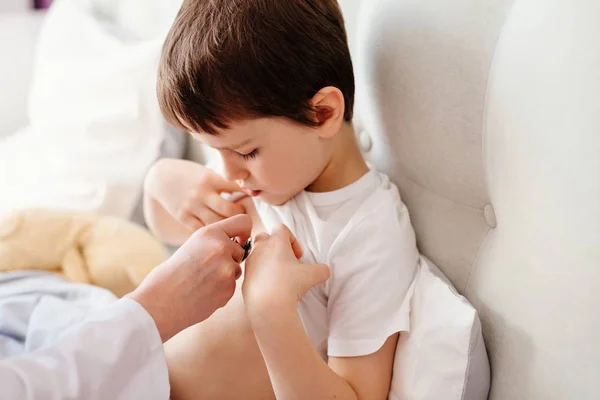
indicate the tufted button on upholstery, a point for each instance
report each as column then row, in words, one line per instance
column 490, row 216
column 365, row 141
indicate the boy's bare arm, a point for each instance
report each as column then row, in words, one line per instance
column 298, row 372
column 370, row 375
column 248, row 204
column 275, row 281
column 171, row 231
column 160, row 222
column 166, row 228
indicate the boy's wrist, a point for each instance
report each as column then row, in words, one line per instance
column 268, row 310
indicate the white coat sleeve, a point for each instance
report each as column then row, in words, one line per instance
column 115, row 353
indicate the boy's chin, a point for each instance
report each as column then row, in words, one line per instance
column 275, row 199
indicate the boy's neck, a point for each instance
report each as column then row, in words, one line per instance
column 346, row 165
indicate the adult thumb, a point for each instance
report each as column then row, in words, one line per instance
column 313, row 275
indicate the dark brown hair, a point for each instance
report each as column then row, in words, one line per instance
column 226, row 60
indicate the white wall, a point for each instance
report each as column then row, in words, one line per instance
column 350, row 10
column 15, row 5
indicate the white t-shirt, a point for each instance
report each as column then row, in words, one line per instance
column 363, row 233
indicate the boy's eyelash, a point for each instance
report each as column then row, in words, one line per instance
column 250, row 155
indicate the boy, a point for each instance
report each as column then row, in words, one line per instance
column 269, row 83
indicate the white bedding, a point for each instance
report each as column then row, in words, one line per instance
column 94, row 122
column 37, row 307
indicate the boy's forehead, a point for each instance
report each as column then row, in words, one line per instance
column 241, row 130
column 235, row 136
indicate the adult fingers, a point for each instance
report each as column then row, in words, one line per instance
column 237, row 252
column 238, row 226
column 238, row 272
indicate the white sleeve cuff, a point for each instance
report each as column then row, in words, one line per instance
column 135, row 310
column 114, row 353
column 341, row 347
column 152, row 371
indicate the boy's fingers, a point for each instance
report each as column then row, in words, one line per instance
column 223, row 185
column 297, row 249
column 315, row 275
column 261, row 237
column 223, row 207
column 192, row 223
column 238, row 226
column 208, row 216
column 284, row 233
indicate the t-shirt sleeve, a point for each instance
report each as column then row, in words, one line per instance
column 373, row 269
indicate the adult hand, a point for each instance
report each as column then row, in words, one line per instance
column 274, row 276
column 198, row 279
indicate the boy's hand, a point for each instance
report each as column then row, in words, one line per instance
column 191, row 193
column 274, row 277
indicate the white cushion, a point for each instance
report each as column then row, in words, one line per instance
column 443, row 356
column 147, row 19
column 18, row 33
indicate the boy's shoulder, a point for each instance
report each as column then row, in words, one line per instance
column 377, row 250
column 372, row 223
column 379, row 225
column 383, row 201
column 381, row 206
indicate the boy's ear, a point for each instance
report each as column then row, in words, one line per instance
column 329, row 106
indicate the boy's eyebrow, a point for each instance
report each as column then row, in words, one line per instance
column 237, row 146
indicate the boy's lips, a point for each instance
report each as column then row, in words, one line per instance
column 248, row 191
column 251, row 193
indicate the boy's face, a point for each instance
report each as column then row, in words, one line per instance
column 271, row 158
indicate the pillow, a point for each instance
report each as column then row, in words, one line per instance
column 147, row 19
column 95, row 124
column 443, row 356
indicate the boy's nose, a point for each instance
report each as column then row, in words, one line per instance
column 234, row 172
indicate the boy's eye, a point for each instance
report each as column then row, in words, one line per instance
column 250, row 155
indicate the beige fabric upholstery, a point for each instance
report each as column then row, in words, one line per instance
column 474, row 103
column 486, row 113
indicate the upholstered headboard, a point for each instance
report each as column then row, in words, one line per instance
column 486, row 113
